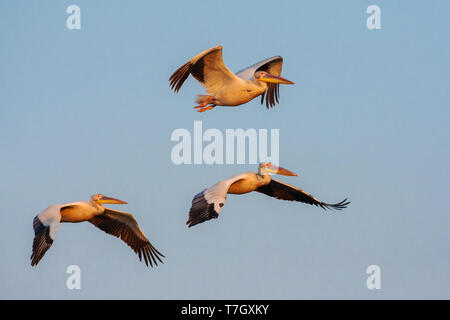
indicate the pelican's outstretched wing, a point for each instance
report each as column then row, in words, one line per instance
column 208, row 68
column 284, row 191
column 45, row 225
column 207, row 204
column 271, row 65
column 124, row 226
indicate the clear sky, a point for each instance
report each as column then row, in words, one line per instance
column 90, row 110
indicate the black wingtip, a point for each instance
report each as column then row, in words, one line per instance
column 338, row 206
column 41, row 242
column 190, row 223
column 201, row 210
column 178, row 77
column 152, row 255
column 271, row 95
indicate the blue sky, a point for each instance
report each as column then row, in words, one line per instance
column 90, row 110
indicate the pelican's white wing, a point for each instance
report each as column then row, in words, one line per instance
column 207, row 204
column 208, row 68
column 45, row 225
column 271, row 65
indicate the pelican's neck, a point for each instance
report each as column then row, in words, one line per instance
column 265, row 178
column 97, row 206
column 260, row 86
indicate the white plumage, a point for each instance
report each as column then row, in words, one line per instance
column 116, row 223
column 208, row 204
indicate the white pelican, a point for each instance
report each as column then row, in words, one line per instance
column 117, row 223
column 226, row 88
column 207, row 204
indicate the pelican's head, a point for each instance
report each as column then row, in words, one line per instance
column 100, row 199
column 268, row 168
column 270, row 78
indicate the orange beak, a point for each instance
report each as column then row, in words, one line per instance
column 106, row 199
column 275, row 79
column 282, row 171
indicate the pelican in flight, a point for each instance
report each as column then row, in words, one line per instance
column 117, row 223
column 225, row 88
column 207, row 204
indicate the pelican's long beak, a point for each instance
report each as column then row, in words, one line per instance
column 279, row 170
column 105, row 199
column 274, row 79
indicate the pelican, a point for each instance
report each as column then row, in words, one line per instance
column 207, row 204
column 117, row 223
column 225, row 88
